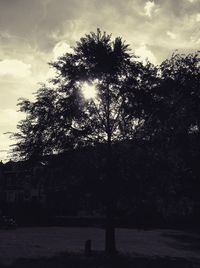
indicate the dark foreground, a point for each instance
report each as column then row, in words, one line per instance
column 99, row 260
column 64, row 247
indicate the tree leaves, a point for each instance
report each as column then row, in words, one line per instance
column 60, row 117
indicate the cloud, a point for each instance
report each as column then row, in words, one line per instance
column 15, row 68
column 61, row 48
column 198, row 17
column 171, row 35
column 8, row 119
column 4, row 147
column 148, row 8
column 145, row 54
column 8, row 116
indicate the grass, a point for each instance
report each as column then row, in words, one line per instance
column 100, row 260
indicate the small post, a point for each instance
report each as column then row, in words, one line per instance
column 88, row 247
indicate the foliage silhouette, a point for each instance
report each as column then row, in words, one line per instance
column 155, row 107
column 61, row 118
column 173, row 131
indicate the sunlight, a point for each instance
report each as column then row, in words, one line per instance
column 89, row 91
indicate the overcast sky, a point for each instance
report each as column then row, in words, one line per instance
column 33, row 32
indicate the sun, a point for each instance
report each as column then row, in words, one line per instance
column 89, row 90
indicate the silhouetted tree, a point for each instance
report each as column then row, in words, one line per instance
column 173, row 128
column 62, row 118
column 46, row 128
column 180, row 89
column 156, row 107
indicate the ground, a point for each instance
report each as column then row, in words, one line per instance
column 47, row 242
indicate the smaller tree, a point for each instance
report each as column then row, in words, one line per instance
column 173, row 128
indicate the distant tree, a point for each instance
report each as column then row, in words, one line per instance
column 61, row 117
column 178, row 96
column 180, row 89
column 174, row 127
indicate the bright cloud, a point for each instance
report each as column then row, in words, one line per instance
column 15, row 68
column 4, row 147
column 171, row 35
column 8, row 120
column 145, row 54
column 8, row 116
column 149, row 6
column 61, row 48
column 198, row 17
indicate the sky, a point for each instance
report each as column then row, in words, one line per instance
column 35, row 32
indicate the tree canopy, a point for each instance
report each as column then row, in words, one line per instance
column 61, row 117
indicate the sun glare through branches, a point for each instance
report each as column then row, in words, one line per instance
column 89, row 90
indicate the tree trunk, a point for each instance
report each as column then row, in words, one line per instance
column 110, row 246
